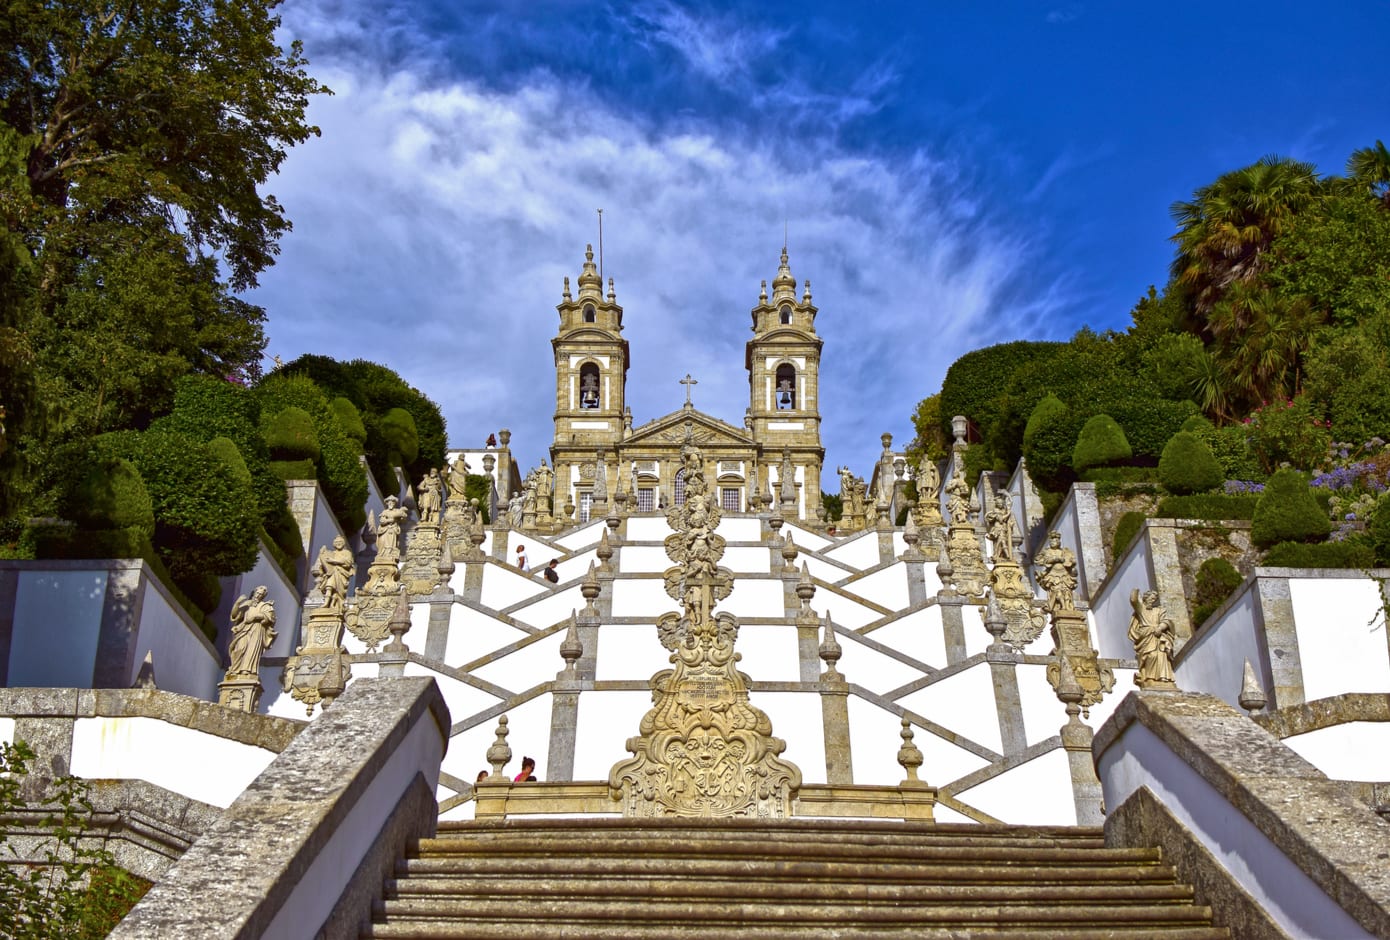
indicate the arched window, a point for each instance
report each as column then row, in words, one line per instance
column 786, row 315
column 589, row 315
column 588, row 386
column 680, row 488
column 785, row 394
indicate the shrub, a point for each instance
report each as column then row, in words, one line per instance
column 1289, row 432
column 1048, row 409
column 1288, row 512
column 1149, row 423
column 1101, row 443
column 972, row 382
column 479, row 486
column 1197, row 424
column 1216, row 579
column 294, row 469
column 1120, row 475
column 350, row 420
column 227, row 452
column 977, row 461
column 1188, row 466
column 1048, row 448
column 1352, row 553
column 1218, row 507
column 1230, row 445
column 1125, row 531
column 1378, row 531
column 112, row 496
column 290, row 435
column 403, row 443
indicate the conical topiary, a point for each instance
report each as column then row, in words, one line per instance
column 1101, row 443
column 1287, row 512
column 1188, row 465
column 112, row 495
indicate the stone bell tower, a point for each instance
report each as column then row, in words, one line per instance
column 591, row 360
column 783, row 362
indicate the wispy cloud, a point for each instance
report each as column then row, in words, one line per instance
column 436, row 217
column 1064, row 14
column 719, row 47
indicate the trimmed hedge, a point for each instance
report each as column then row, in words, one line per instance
column 1288, row 512
column 1215, row 581
column 1049, row 450
column 402, row 441
column 1348, row 554
column 1120, row 475
column 1149, row 422
column 338, row 466
column 227, row 452
column 1125, row 531
column 1101, row 443
column 294, row 469
column 1217, row 507
column 112, row 496
column 1188, row 466
column 349, row 419
column 973, row 381
column 290, row 435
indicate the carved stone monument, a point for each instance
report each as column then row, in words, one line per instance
column 1151, row 632
column 318, row 671
column 703, row 749
column 253, row 630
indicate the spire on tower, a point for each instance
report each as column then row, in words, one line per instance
column 784, row 286
column 589, row 283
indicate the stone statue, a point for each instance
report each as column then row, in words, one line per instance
column 545, row 484
column 1055, row 571
column 253, row 630
column 1151, row 632
column 388, row 535
column 430, row 498
column 928, row 480
column 958, row 496
column 786, row 479
column 332, row 571
column 458, row 480
column 516, row 507
column 1002, row 529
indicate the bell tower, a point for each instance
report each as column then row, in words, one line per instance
column 783, row 363
column 591, row 360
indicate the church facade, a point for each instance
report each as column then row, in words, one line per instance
column 598, row 455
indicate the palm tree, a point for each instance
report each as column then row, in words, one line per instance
column 1370, row 166
column 1224, row 232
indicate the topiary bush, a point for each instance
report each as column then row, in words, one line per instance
column 1149, row 423
column 227, row 452
column 973, row 382
column 1101, row 443
column 1214, row 582
column 1188, row 466
column 338, row 466
column 1125, row 530
column 1049, row 409
column 350, row 420
column 112, row 495
column 1049, row 441
column 403, row 443
column 1288, row 512
column 1348, row 554
column 290, row 435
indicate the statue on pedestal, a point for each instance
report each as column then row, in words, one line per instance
column 1054, row 568
column 1151, row 632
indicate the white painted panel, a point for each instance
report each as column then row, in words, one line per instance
column 963, row 703
column 796, row 719
column 1357, row 750
column 629, row 651
column 940, row 813
column 823, row 570
column 842, row 610
column 589, row 425
column 550, row 610
column 504, row 586
column 7, row 730
column 755, row 598
column 977, row 638
column 644, row 598
column 1214, row 660
column 770, row 652
column 57, row 620
column 1043, row 714
column 463, row 699
column 745, row 530
column 1110, row 609
column 873, row 670
column 192, row 763
column 606, row 720
column 786, row 425
column 182, row 659
column 579, row 538
column 650, row 529
column 918, row 634
column 748, row 560
column 473, row 634
column 640, row 559
column 1339, row 649
column 575, row 566
column 803, row 537
column 860, row 552
column 874, row 743
column 887, row 588
column 1037, row 793
column 529, row 666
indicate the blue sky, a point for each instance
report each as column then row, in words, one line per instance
column 951, row 175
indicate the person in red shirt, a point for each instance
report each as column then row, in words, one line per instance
column 527, row 774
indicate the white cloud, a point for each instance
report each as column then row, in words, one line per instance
column 435, row 219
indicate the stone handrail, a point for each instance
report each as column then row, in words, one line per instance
column 304, row 850
column 503, row 798
column 1299, row 846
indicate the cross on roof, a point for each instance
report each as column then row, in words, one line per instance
column 688, row 382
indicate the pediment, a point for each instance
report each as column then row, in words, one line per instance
column 704, row 431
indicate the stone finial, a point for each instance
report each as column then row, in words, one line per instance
column 774, row 522
column 959, row 425
column 500, row 753
column 946, row 571
column 806, row 293
column 886, row 440
column 1252, row 694
column 566, row 293
column 571, row 647
column 144, row 679
column 589, row 588
column 612, row 294
column 604, row 550
column 398, row 625
column 830, row 652
column 995, row 624
column 789, row 553
column 446, row 566
column 805, row 588
column 762, row 293
column 909, row 756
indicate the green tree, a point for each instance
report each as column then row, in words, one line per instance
column 1370, row 166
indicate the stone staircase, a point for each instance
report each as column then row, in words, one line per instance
column 606, row 877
